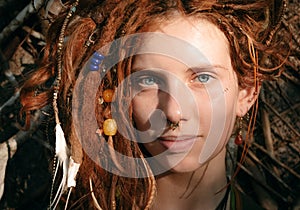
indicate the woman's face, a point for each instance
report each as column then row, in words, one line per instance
column 184, row 77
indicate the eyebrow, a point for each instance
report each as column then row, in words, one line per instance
column 139, row 68
column 195, row 68
column 207, row 67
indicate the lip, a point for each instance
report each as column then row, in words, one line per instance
column 178, row 143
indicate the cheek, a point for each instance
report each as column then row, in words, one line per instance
column 230, row 98
column 138, row 110
column 205, row 113
column 217, row 117
column 142, row 109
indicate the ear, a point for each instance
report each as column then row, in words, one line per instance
column 246, row 99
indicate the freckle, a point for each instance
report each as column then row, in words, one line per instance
column 226, row 90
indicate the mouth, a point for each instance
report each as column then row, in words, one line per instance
column 178, row 143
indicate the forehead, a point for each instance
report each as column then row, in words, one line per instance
column 192, row 41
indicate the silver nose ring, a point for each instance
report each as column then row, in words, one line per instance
column 173, row 125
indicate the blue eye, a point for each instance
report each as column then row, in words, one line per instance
column 203, row 78
column 148, row 81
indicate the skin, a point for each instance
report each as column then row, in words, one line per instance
column 204, row 97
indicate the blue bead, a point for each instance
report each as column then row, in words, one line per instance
column 73, row 9
column 95, row 61
column 94, row 67
column 98, row 56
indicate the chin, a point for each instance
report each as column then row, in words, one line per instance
column 187, row 165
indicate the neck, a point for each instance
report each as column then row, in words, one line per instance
column 194, row 190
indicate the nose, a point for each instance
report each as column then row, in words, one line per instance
column 175, row 101
column 170, row 106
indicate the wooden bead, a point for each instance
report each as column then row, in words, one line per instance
column 110, row 127
column 108, row 95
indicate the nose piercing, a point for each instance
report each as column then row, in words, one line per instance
column 173, row 125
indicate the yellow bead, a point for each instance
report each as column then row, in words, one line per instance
column 110, row 127
column 108, row 95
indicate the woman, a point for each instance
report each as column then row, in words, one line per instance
column 147, row 94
